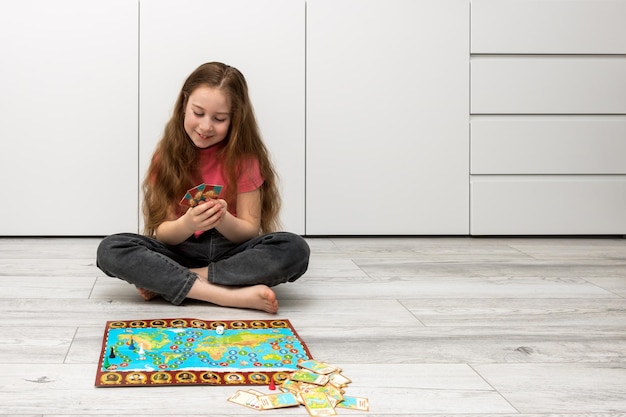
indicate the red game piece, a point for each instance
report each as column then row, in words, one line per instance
column 272, row 384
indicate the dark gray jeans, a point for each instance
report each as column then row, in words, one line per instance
column 270, row 259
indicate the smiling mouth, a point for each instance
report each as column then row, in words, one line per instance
column 204, row 137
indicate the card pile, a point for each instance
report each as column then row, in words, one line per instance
column 316, row 385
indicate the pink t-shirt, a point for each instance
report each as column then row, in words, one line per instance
column 212, row 173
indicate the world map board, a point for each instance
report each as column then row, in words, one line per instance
column 187, row 351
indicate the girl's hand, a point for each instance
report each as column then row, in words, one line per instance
column 207, row 215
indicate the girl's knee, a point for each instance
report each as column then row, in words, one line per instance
column 296, row 244
column 107, row 249
column 297, row 255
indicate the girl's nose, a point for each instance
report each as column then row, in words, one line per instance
column 206, row 125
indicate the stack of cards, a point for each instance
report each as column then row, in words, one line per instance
column 317, row 385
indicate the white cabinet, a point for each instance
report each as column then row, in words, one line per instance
column 68, row 135
column 265, row 40
column 548, row 124
column 387, row 117
column 549, row 205
column 551, row 144
column 548, row 26
column 549, row 85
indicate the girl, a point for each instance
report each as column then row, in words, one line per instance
column 224, row 251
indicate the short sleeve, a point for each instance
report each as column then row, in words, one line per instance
column 250, row 178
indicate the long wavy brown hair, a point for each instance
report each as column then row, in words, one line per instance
column 174, row 168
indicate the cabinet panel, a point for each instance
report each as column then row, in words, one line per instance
column 548, row 205
column 68, row 136
column 549, row 26
column 560, row 85
column 387, row 117
column 264, row 39
column 548, row 145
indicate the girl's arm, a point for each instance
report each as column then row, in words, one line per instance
column 247, row 224
column 175, row 231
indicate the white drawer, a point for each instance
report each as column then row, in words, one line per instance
column 548, row 144
column 548, row 205
column 548, row 26
column 548, row 85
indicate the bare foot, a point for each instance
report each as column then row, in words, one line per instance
column 257, row 297
column 147, row 295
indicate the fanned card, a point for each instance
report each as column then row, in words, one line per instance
column 199, row 194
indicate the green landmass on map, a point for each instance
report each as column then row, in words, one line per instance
column 150, row 341
column 216, row 346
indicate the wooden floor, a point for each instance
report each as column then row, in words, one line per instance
column 423, row 326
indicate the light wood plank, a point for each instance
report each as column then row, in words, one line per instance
column 35, row 344
column 45, row 287
column 560, row 388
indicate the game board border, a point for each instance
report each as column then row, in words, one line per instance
column 168, row 378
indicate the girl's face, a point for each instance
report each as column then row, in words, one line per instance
column 207, row 116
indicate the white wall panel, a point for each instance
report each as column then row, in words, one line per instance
column 387, row 117
column 548, row 145
column 527, row 205
column 265, row 39
column 549, row 26
column 544, row 85
column 68, row 136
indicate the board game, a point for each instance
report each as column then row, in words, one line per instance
column 187, row 351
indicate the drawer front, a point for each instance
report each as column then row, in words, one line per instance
column 548, row 205
column 548, row 145
column 548, row 85
column 548, row 27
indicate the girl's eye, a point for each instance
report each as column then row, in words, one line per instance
column 220, row 120
column 198, row 114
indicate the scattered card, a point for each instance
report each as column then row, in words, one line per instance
column 335, row 396
column 318, row 367
column 304, row 375
column 354, row 403
column 289, row 385
column 339, row 380
column 246, row 399
column 279, row 400
column 317, row 404
column 199, row 194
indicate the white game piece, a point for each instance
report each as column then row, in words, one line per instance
column 219, row 330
